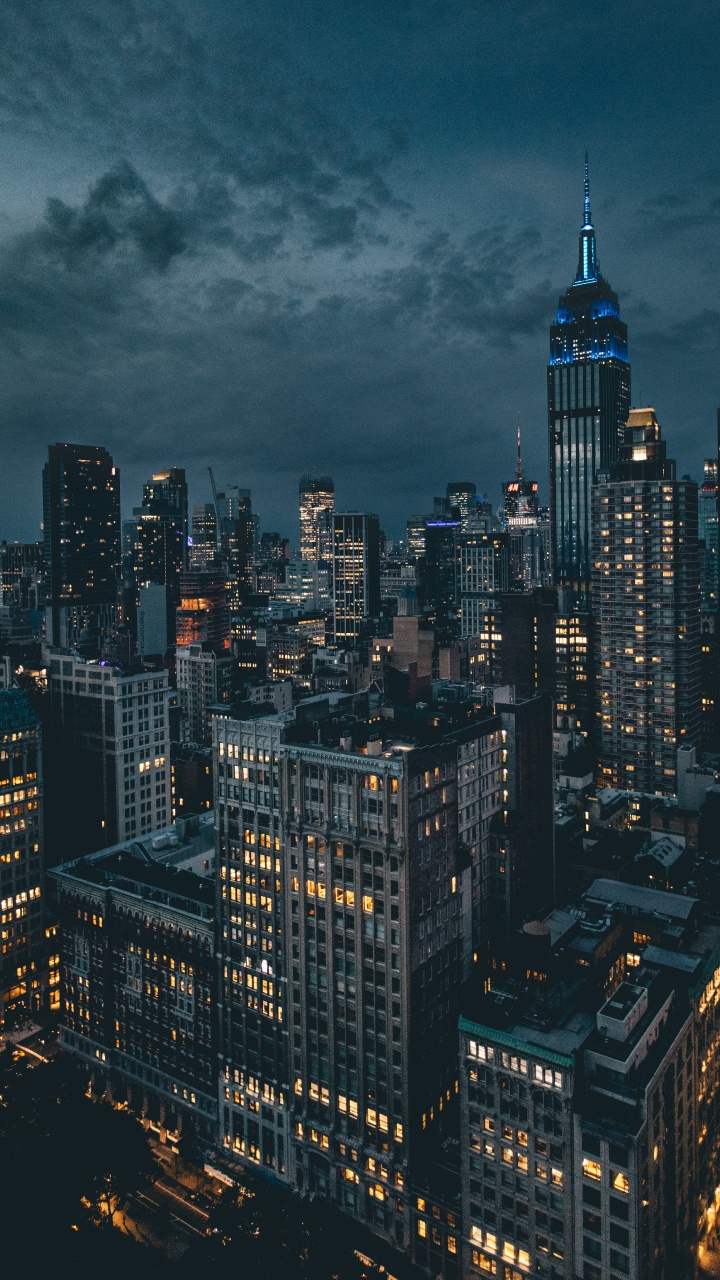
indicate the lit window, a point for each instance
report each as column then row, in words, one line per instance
column 592, row 1169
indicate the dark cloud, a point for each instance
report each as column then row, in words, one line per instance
column 333, row 235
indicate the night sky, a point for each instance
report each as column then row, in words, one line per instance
column 330, row 235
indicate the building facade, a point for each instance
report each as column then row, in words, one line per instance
column 23, row 958
column 355, row 574
column 646, row 601
column 137, row 941
column 317, row 503
column 111, row 754
column 204, row 680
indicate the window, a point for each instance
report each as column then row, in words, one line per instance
column 620, row 1182
column 592, row 1169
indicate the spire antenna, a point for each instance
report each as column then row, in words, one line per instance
column 519, row 458
column 588, row 219
column 587, row 264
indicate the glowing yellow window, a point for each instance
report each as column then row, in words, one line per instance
column 621, row 1182
column 592, row 1169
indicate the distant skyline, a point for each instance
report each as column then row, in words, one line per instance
column 332, row 238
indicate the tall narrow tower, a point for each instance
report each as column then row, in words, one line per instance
column 588, row 403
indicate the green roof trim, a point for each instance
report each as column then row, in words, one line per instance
column 512, row 1042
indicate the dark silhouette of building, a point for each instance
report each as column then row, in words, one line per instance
column 23, row 967
column 161, row 529
column 355, row 574
column 82, row 549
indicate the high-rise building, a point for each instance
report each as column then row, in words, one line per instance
column 18, row 560
column 82, row 552
column 203, row 542
column 528, row 531
column 236, row 538
column 646, row 602
column 110, row 755
column 161, row 529
column 347, row 877
column 355, row 574
column 708, row 532
column 139, row 976
column 202, row 615
column 519, row 862
column 588, row 1113
column 462, row 494
column 317, row 503
column 204, row 680
column 22, row 875
column 588, row 401
column 481, row 574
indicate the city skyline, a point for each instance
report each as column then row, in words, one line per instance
column 360, row 639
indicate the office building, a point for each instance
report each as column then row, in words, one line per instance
column 708, row 533
column 236, row 537
column 355, row 574
column 519, row 862
column 205, row 680
column 202, row 553
column 81, row 549
column 203, row 615
column 346, row 912
column 160, row 535
column 588, row 403
column 481, row 575
column 646, row 602
column 155, row 619
column 317, row 503
column 462, row 495
column 588, row 1114
column 18, row 561
column 23, row 961
column 438, row 567
column 110, row 755
column 137, row 945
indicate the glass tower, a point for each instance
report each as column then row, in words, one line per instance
column 588, row 403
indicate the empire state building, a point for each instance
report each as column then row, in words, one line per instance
column 588, row 404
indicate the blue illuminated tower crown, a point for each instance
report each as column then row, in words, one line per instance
column 588, row 403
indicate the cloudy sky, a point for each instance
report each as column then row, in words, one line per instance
column 276, row 236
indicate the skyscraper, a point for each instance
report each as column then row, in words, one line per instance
column 317, row 503
column 588, row 402
column 528, row 530
column 236, row 536
column 356, row 574
column 82, row 557
column 463, row 495
column 22, row 888
column 646, row 603
column 203, row 548
column 708, row 531
column 161, row 529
